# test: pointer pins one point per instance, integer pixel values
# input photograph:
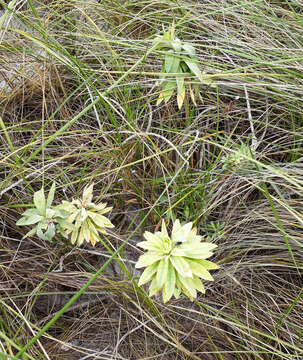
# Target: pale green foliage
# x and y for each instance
(86, 217)
(180, 61)
(48, 219)
(239, 157)
(82, 219)
(215, 230)
(175, 263)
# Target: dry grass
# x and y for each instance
(69, 117)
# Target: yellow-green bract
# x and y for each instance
(175, 263)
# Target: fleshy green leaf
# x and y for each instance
(65, 224)
(80, 237)
(50, 213)
(94, 238)
(168, 89)
(164, 232)
(181, 266)
(30, 233)
(170, 283)
(169, 60)
(40, 233)
(63, 214)
(161, 276)
(33, 219)
(150, 245)
(193, 249)
(208, 265)
(39, 201)
(88, 193)
(176, 226)
(51, 195)
(30, 212)
(84, 214)
(86, 232)
(199, 270)
(151, 237)
(74, 235)
(189, 285)
(100, 208)
(175, 65)
(147, 274)
(198, 284)
(154, 287)
(180, 84)
(50, 232)
(194, 68)
(100, 220)
(148, 259)
(180, 98)
(177, 292)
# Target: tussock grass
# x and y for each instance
(78, 85)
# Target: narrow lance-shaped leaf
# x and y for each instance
(192, 95)
(149, 245)
(30, 233)
(33, 219)
(148, 259)
(40, 232)
(161, 276)
(189, 285)
(199, 270)
(198, 284)
(51, 195)
(177, 290)
(39, 201)
(169, 61)
(194, 68)
(180, 83)
(100, 220)
(160, 98)
(163, 229)
(168, 89)
(74, 235)
(154, 287)
(80, 236)
(86, 232)
(180, 98)
(147, 274)
(181, 266)
(30, 212)
(88, 193)
(175, 68)
(208, 265)
(50, 232)
(170, 283)
(193, 248)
